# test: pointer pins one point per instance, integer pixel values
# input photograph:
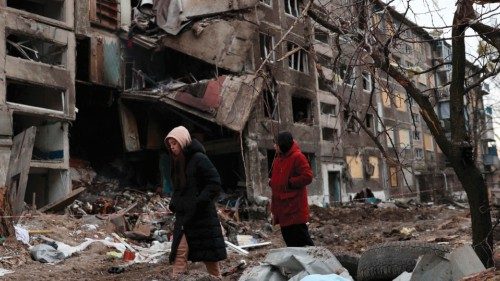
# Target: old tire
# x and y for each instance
(349, 261)
(387, 261)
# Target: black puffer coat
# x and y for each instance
(194, 208)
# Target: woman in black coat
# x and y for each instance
(197, 229)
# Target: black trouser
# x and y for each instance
(296, 235)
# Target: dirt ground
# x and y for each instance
(341, 229)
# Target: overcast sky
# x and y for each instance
(439, 13)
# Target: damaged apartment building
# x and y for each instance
(101, 82)
(144, 67)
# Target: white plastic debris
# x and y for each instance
(5, 271)
(22, 234)
(299, 262)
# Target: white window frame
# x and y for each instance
(368, 80)
(419, 153)
(265, 47)
(293, 8)
(300, 57)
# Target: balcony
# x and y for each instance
(491, 157)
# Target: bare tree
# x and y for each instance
(374, 50)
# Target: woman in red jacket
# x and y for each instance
(290, 175)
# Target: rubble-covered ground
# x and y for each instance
(342, 229)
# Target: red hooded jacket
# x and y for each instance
(290, 176)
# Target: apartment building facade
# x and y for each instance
(37, 99)
(104, 81)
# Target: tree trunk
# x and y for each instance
(477, 193)
(6, 225)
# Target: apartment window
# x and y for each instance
(46, 8)
(324, 61)
(419, 153)
(322, 84)
(298, 59)
(266, 2)
(266, 47)
(301, 108)
(369, 120)
(393, 176)
(417, 135)
(407, 49)
(270, 104)
(347, 74)
(292, 7)
(349, 124)
(328, 109)
(444, 109)
(329, 134)
(367, 81)
(321, 36)
(391, 139)
(416, 118)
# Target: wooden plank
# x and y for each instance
(19, 166)
(59, 204)
(130, 132)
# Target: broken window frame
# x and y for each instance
(271, 112)
(62, 18)
(265, 48)
(324, 106)
(61, 109)
(331, 132)
(323, 33)
(292, 8)
(32, 53)
(298, 59)
(308, 117)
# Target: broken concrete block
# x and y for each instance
(454, 266)
(463, 262)
(229, 41)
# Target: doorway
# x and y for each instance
(334, 187)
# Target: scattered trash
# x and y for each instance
(45, 253)
(114, 255)
(407, 231)
(240, 266)
(295, 264)
(128, 255)
(22, 234)
(89, 227)
(236, 248)
(5, 271)
(116, 270)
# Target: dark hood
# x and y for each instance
(194, 147)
